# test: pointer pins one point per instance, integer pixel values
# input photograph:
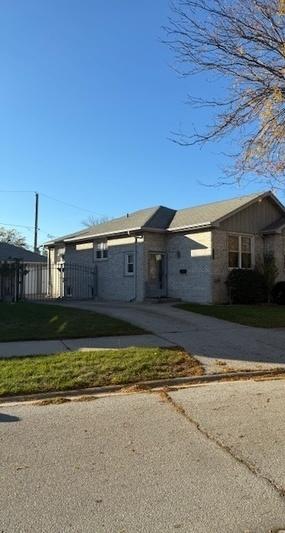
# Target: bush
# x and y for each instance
(269, 271)
(278, 293)
(246, 287)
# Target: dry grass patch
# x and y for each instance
(78, 370)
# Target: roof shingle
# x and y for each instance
(10, 252)
(165, 219)
(151, 218)
(207, 214)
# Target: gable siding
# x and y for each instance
(254, 218)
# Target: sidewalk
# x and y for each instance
(47, 347)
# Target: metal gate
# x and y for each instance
(40, 281)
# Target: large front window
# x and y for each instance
(240, 251)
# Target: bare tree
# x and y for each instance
(94, 221)
(12, 236)
(243, 42)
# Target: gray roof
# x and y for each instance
(276, 226)
(165, 219)
(207, 214)
(9, 252)
(152, 218)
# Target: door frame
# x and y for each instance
(157, 292)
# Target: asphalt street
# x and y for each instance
(204, 459)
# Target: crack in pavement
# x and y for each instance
(251, 467)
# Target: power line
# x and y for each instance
(17, 191)
(56, 200)
(30, 228)
(71, 205)
(16, 225)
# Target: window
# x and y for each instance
(233, 251)
(102, 250)
(60, 254)
(246, 252)
(240, 251)
(129, 264)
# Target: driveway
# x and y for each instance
(219, 345)
(207, 459)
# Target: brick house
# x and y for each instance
(187, 253)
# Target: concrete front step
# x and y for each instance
(162, 300)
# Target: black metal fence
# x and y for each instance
(40, 281)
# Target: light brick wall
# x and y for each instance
(191, 252)
(111, 281)
(276, 244)
(220, 262)
(79, 257)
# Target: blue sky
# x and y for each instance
(88, 100)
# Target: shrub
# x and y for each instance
(278, 293)
(269, 271)
(246, 287)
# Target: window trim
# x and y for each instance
(101, 246)
(126, 264)
(252, 250)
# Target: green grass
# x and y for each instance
(28, 321)
(259, 316)
(67, 371)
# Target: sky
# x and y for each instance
(88, 101)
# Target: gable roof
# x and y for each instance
(162, 218)
(9, 252)
(208, 214)
(151, 218)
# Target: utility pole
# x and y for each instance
(36, 221)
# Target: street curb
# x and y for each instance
(141, 385)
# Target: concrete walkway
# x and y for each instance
(19, 349)
(218, 344)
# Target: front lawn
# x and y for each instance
(28, 321)
(259, 316)
(67, 371)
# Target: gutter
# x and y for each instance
(152, 385)
(205, 225)
(105, 234)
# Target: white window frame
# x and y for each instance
(240, 236)
(127, 263)
(60, 255)
(101, 248)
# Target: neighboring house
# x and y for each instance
(186, 253)
(21, 272)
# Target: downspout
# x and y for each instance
(136, 270)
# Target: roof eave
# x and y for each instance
(205, 225)
(104, 234)
(274, 231)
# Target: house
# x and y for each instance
(22, 272)
(185, 253)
